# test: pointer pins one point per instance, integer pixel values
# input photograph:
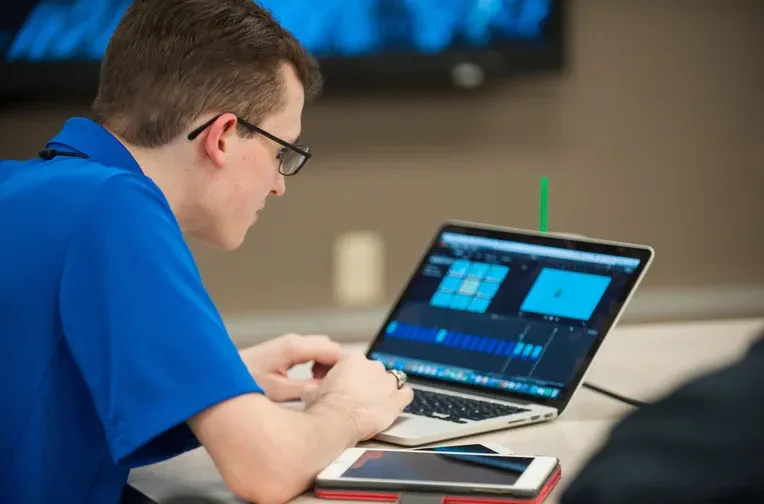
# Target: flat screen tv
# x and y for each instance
(54, 47)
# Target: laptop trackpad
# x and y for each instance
(416, 426)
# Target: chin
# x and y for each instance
(223, 241)
(230, 243)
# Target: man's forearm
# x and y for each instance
(268, 453)
(319, 435)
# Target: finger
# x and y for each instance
(405, 396)
(380, 366)
(286, 389)
(394, 378)
(309, 394)
(354, 355)
(318, 336)
(314, 348)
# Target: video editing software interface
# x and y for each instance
(504, 314)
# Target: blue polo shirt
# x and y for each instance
(109, 341)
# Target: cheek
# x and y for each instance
(254, 180)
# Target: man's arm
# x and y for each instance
(701, 443)
(267, 453)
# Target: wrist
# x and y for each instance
(334, 418)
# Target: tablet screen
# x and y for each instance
(438, 467)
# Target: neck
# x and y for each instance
(168, 169)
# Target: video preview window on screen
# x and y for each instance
(69, 30)
(504, 314)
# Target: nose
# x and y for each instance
(279, 186)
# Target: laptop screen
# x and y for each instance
(514, 312)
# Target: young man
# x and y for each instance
(112, 354)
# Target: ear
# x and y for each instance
(217, 142)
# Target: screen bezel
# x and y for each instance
(529, 483)
(568, 241)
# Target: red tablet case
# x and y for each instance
(373, 496)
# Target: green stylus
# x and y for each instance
(544, 205)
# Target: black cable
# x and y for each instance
(618, 397)
(48, 154)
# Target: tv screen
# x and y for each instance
(55, 46)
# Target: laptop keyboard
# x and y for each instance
(456, 409)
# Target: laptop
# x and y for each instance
(497, 327)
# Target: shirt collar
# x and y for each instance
(92, 139)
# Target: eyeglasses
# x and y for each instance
(291, 158)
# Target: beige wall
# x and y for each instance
(655, 134)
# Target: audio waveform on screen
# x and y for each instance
(58, 30)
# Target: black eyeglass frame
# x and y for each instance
(304, 151)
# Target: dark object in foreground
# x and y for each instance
(701, 443)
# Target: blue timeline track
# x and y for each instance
(470, 342)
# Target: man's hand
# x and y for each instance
(363, 391)
(270, 362)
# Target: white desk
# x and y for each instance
(638, 361)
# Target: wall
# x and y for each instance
(654, 134)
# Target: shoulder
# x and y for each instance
(123, 218)
(126, 228)
(115, 188)
(69, 183)
(128, 194)
(115, 201)
(51, 205)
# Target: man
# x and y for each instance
(701, 443)
(112, 354)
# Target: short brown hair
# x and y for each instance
(170, 61)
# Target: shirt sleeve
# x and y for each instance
(701, 443)
(140, 325)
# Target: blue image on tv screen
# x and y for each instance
(61, 30)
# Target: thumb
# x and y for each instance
(310, 394)
(283, 388)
